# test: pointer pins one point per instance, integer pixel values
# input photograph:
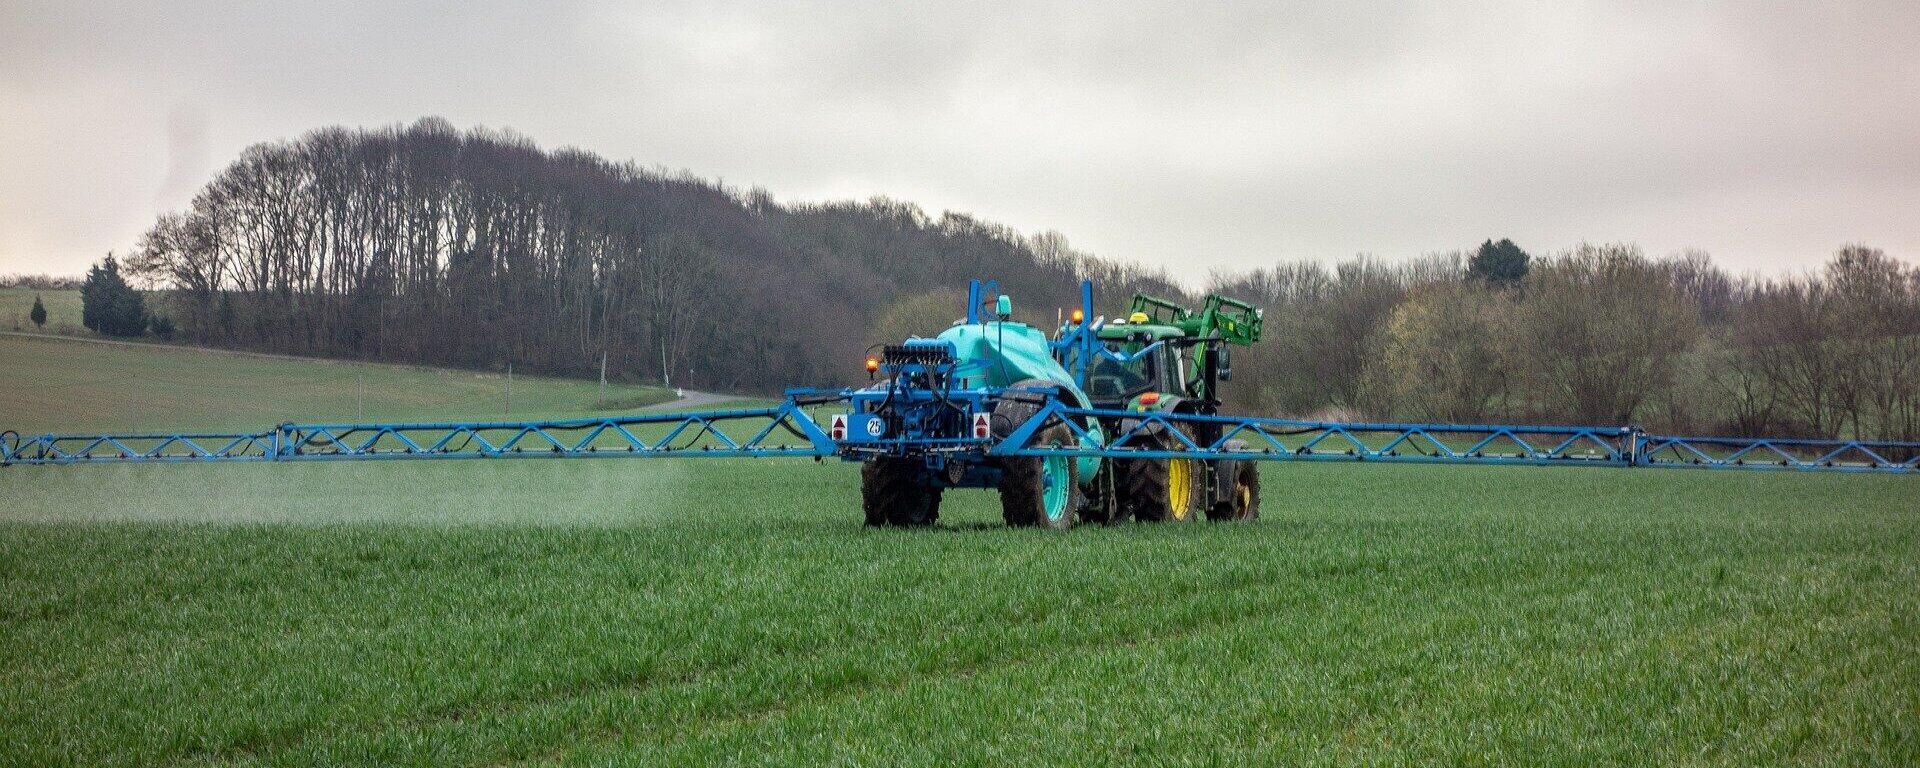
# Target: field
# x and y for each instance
(673, 612)
(63, 311)
(68, 385)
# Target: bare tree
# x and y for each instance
(1444, 354)
(1601, 328)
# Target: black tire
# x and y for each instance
(1024, 484)
(1243, 503)
(1009, 414)
(1146, 485)
(892, 492)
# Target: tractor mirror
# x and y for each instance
(1225, 365)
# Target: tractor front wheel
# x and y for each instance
(1160, 490)
(894, 492)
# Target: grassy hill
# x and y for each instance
(72, 385)
(687, 611)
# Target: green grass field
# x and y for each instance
(63, 311)
(676, 612)
(66, 385)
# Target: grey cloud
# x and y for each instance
(1207, 134)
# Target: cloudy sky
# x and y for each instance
(1180, 134)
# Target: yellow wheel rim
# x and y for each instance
(1180, 476)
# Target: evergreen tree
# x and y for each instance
(1501, 263)
(108, 305)
(39, 313)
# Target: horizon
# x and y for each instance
(1199, 139)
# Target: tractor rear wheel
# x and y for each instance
(1243, 500)
(1160, 490)
(1041, 490)
(893, 492)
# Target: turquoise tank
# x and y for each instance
(1012, 353)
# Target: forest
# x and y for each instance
(479, 249)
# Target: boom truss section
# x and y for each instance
(1278, 439)
(781, 430)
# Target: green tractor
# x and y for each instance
(1164, 357)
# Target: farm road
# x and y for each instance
(689, 400)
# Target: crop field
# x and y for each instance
(700, 611)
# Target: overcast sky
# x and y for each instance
(1177, 134)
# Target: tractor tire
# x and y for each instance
(1027, 483)
(1244, 502)
(1160, 490)
(892, 492)
(1041, 491)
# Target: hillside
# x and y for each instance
(478, 249)
(79, 385)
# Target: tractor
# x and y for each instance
(942, 413)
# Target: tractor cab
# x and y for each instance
(1161, 354)
(1141, 358)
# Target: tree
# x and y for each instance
(1877, 334)
(924, 315)
(1443, 354)
(1500, 264)
(226, 315)
(39, 313)
(108, 305)
(1783, 335)
(1600, 329)
(1360, 301)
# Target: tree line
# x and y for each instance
(478, 249)
(1598, 334)
(41, 282)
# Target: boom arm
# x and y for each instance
(789, 430)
